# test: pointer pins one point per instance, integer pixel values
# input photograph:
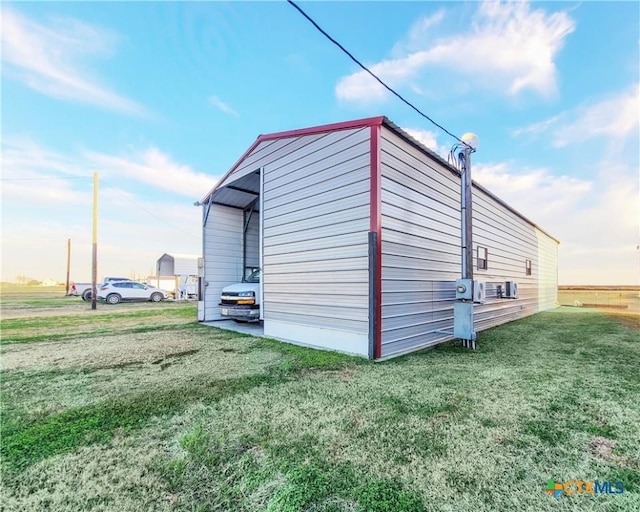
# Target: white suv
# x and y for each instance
(119, 291)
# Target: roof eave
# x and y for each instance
(345, 125)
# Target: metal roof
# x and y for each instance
(234, 197)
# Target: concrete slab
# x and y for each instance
(252, 328)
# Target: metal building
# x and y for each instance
(356, 227)
(177, 265)
(177, 274)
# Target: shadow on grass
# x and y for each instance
(25, 443)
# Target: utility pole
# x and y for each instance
(68, 264)
(94, 259)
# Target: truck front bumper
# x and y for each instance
(239, 312)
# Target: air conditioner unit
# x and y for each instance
(464, 289)
(479, 291)
(511, 290)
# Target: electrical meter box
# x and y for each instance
(464, 289)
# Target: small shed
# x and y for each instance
(177, 274)
(356, 227)
(177, 265)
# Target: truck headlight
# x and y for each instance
(246, 294)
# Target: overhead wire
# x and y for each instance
(366, 69)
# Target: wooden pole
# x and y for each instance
(94, 259)
(66, 292)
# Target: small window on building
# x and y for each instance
(483, 258)
(527, 267)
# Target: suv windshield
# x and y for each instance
(254, 277)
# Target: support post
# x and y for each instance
(467, 215)
(467, 240)
(94, 259)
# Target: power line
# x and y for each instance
(123, 194)
(365, 68)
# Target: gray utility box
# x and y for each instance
(463, 321)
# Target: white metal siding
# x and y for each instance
(268, 151)
(421, 251)
(315, 247)
(547, 272)
(183, 266)
(222, 238)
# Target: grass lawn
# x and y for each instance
(140, 408)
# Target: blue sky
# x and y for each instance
(162, 98)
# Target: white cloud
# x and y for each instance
(539, 127)
(536, 193)
(615, 117)
(40, 178)
(224, 107)
(415, 38)
(428, 139)
(47, 58)
(43, 204)
(597, 222)
(21, 155)
(423, 136)
(42, 193)
(156, 169)
(510, 48)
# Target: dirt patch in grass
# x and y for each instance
(631, 320)
(99, 352)
(602, 447)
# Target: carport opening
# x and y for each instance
(243, 256)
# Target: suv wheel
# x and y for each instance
(113, 298)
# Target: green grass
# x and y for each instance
(107, 320)
(223, 421)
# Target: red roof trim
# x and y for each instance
(345, 125)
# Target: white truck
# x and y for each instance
(241, 301)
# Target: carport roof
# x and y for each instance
(345, 125)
